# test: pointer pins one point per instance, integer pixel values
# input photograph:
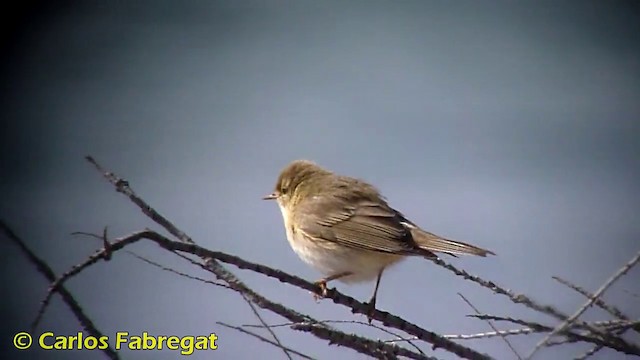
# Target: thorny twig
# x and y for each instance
(623, 270)
(611, 309)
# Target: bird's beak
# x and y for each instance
(271, 196)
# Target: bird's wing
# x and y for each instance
(362, 224)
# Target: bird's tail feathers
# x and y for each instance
(431, 242)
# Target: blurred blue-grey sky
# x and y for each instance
(510, 125)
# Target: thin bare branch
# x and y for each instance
(619, 330)
(48, 273)
(377, 349)
(368, 324)
(491, 325)
(87, 234)
(483, 335)
(611, 309)
(530, 303)
(589, 352)
(174, 271)
(623, 270)
(276, 344)
(269, 329)
(584, 335)
(363, 323)
(631, 293)
(490, 334)
(104, 253)
(515, 298)
(251, 305)
(607, 325)
(122, 186)
(534, 325)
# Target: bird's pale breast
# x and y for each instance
(330, 258)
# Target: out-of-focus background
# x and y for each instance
(513, 126)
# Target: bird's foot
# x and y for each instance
(370, 309)
(322, 284)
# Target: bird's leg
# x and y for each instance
(322, 284)
(372, 303)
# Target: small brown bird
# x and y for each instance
(344, 228)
